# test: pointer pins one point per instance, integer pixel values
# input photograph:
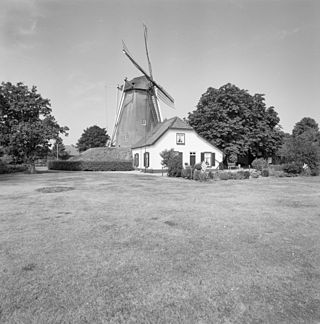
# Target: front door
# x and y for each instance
(192, 158)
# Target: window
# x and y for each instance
(180, 137)
(209, 158)
(136, 160)
(146, 159)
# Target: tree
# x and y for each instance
(172, 160)
(58, 150)
(305, 124)
(93, 136)
(303, 146)
(26, 123)
(237, 122)
(167, 156)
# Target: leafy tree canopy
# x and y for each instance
(26, 123)
(58, 150)
(303, 146)
(305, 124)
(93, 136)
(237, 122)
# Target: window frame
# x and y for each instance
(146, 158)
(181, 136)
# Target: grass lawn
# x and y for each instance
(94, 247)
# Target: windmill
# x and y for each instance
(139, 107)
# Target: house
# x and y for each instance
(174, 134)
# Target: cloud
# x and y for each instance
(283, 34)
(19, 22)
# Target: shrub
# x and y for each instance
(315, 171)
(167, 155)
(246, 174)
(265, 173)
(292, 168)
(225, 175)
(175, 166)
(90, 165)
(276, 167)
(221, 166)
(254, 174)
(240, 175)
(187, 173)
(279, 174)
(3, 167)
(17, 168)
(213, 175)
(196, 174)
(12, 168)
(197, 166)
(203, 176)
(259, 164)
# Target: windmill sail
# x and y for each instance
(170, 100)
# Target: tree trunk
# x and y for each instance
(32, 168)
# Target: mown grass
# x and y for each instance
(128, 248)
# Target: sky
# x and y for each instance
(72, 51)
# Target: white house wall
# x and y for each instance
(193, 143)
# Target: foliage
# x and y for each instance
(59, 146)
(303, 146)
(166, 156)
(90, 165)
(91, 137)
(255, 174)
(197, 166)
(26, 123)
(304, 125)
(214, 175)
(226, 175)
(233, 158)
(265, 172)
(175, 166)
(237, 122)
(243, 174)
(3, 167)
(196, 174)
(292, 168)
(221, 166)
(276, 167)
(259, 164)
(187, 172)
(172, 160)
(12, 168)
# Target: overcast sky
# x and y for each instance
(72, 51)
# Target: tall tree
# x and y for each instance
(58, 150)
(305, 124)
(303, 145)
(91, 137)
(237, 122)
(26, 123)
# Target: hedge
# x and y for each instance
(90, 165)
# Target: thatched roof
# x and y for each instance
(160, 129)
(105, 154)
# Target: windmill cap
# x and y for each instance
(138, 83)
